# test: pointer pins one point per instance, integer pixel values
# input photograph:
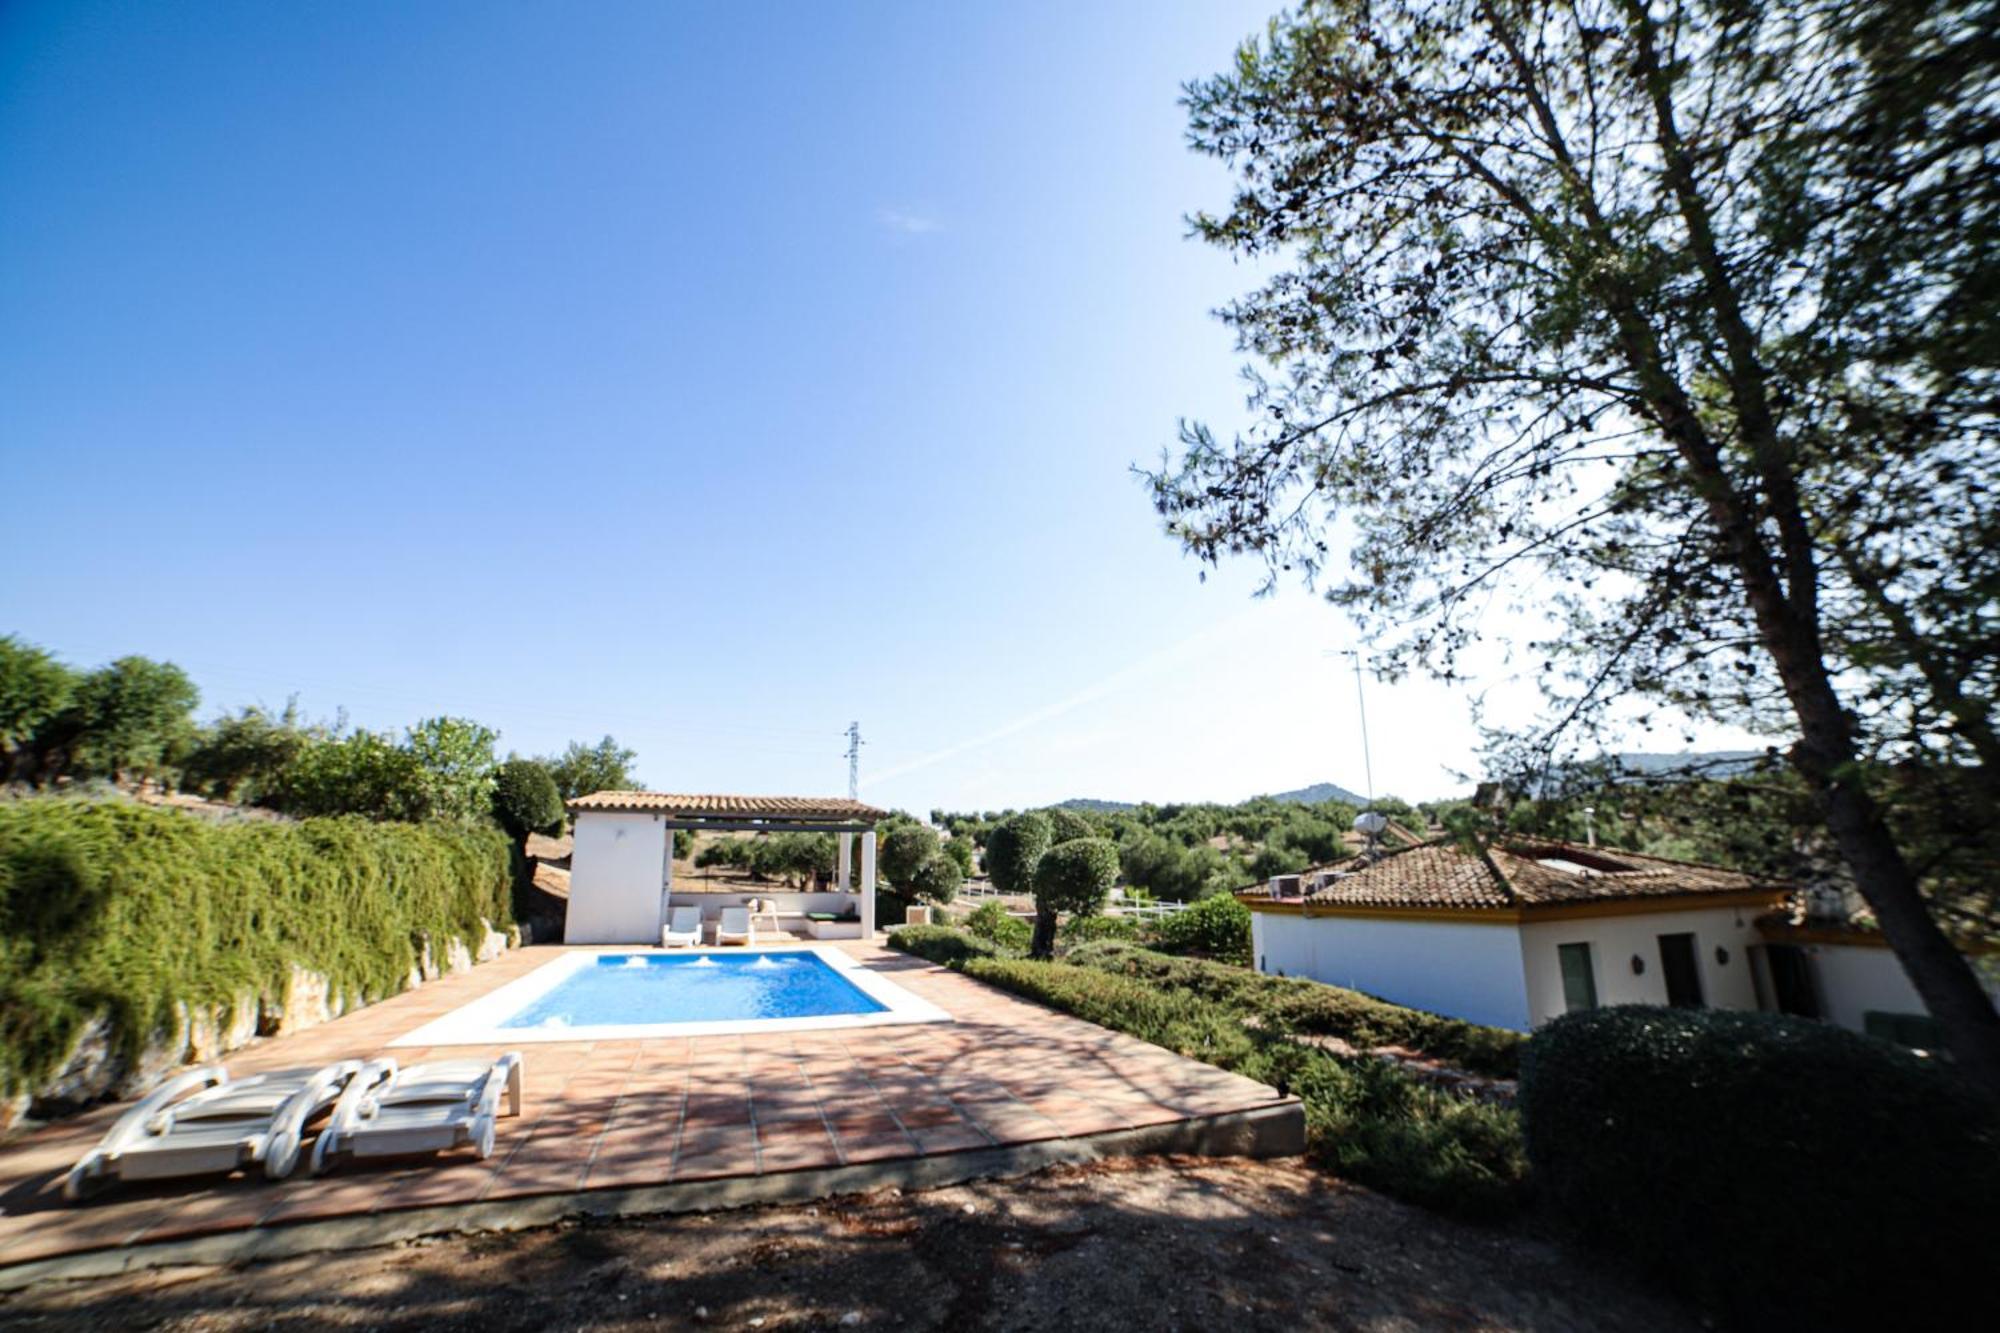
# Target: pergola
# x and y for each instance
(756, 814)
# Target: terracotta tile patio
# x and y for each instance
(622, 1114)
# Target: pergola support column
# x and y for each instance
(843, 874)
(868, 885)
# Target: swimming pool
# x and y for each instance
(587, 995)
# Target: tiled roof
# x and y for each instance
(813, 809)
(1519, 872)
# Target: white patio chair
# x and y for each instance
(683, 928)
(735, 925)
(391, 1112)
(202, 1122)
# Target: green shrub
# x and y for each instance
(1072, 877)
(1295, 1005)
(1217, 927)
(937, 880)
(110, 908)
(1013, 850)
(1088, 929)
(1364, 1118)
(1066, 825)
(525, 799)
(941, 944)
(1784, 1173)
(905, 852)
(993, 923)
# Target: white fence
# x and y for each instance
(982, 889)
(1150, 911)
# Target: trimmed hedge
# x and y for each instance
(941, 944)
(1784, 1173)
(1090, 929)
(1296, 1005)
(1365, 1118)
(994, 924)
(1216, 927)
(122, 910)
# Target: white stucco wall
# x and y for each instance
(618, 869)
(1853, 979)
(1614, 940)
(1466, 970)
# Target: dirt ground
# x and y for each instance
(1150, 1244)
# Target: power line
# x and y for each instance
(1367, 765)
(854, 744)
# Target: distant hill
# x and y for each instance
(1092, 806)
(1694, 763)
(1644, 766)
(1320, 792)
(1313, 795)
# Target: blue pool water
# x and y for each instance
(695, 988)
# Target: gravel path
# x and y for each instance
(1164, 1244)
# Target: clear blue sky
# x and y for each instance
(705, 375)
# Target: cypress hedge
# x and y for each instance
(941, 944)
(121, 910)
(1781, 1172)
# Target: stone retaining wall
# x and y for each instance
(95, 1070)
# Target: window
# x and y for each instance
(1579, 979)
(1682, 971)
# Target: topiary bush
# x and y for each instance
(1781, 1172)
(1073, 877)
(525, 800)
(906, 849)
(1013, 850)
(993, 923)
(937, 880)
(1066, 825)
(1216, 927)
(941, 944)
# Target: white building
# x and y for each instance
(1524, 930)
(621, 877)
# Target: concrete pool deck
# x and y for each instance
(664, 1124)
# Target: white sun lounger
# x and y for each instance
(389, 1112)
(735, 924)
(683, 928)
(202, 1122)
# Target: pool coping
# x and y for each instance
(1277, 1129)
(477, 1022)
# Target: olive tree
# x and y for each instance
(1074, 877)
(34, 688)
(582, 769)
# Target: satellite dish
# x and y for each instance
(1370, 823)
